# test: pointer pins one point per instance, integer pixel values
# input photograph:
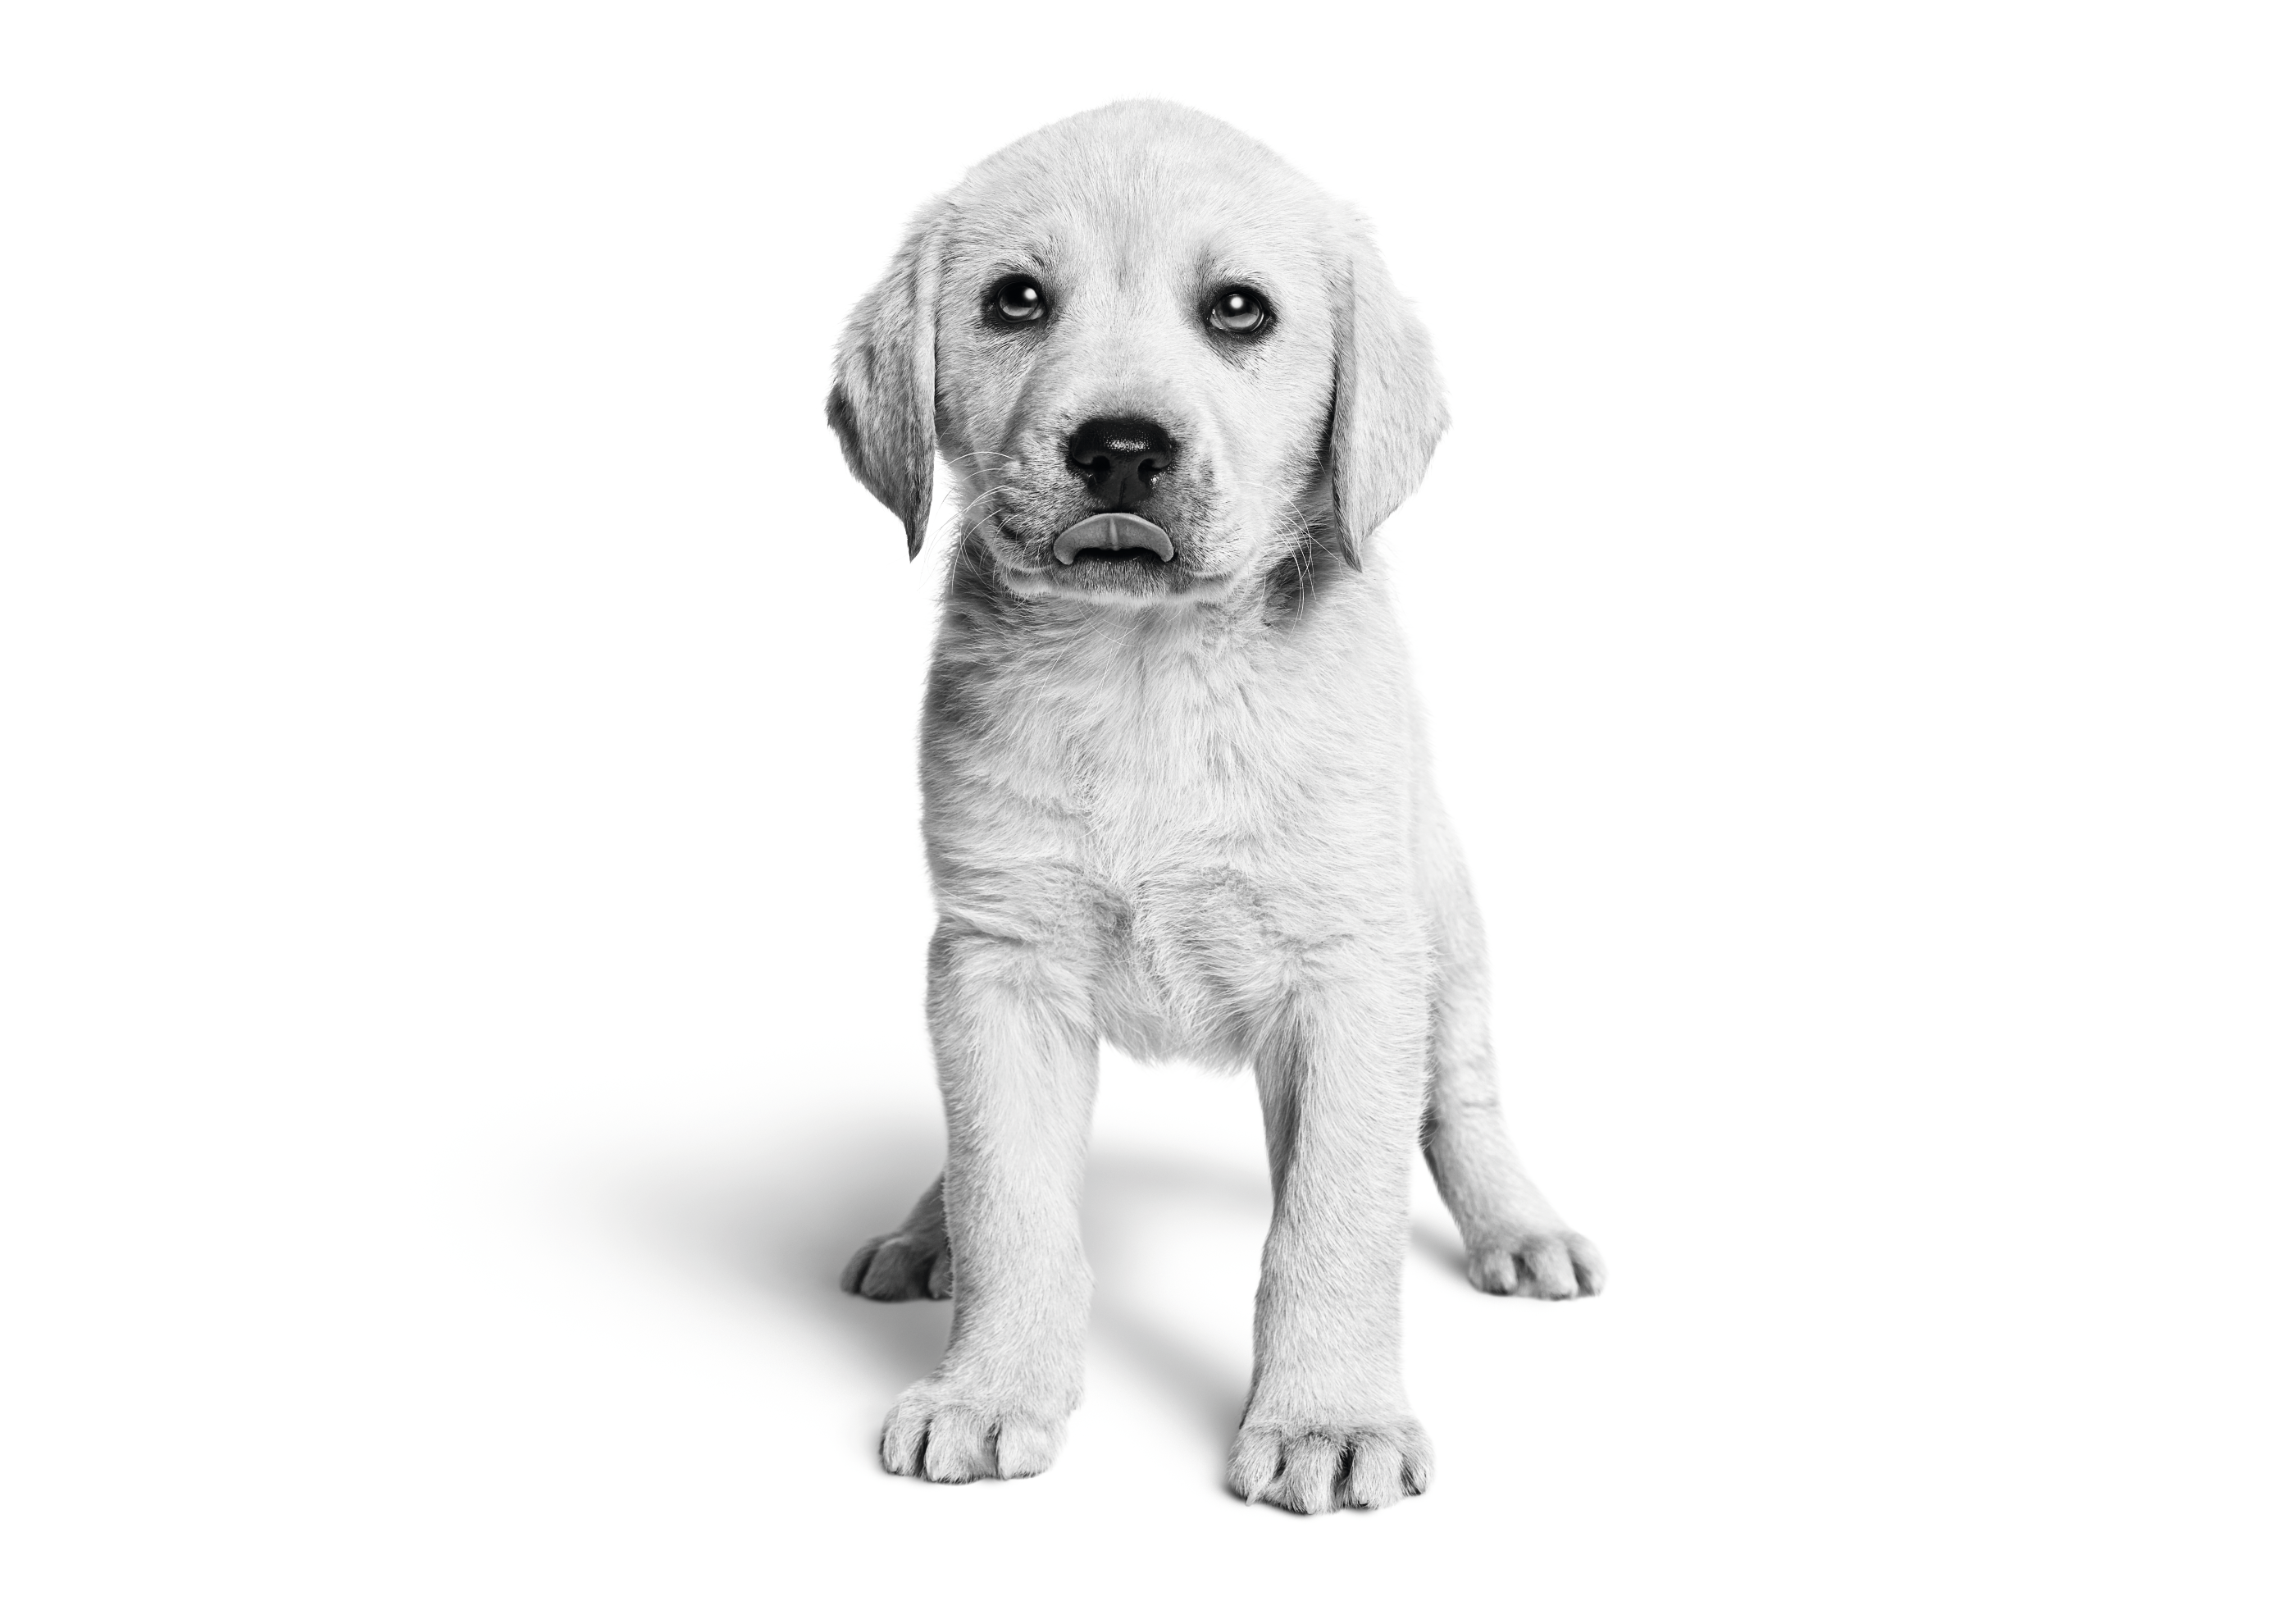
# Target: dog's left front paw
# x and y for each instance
(1310, 1466)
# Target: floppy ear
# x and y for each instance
(881, 405)
(1387, 402)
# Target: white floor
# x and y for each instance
(462, 918)
(465, 1351)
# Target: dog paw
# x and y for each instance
(1527, 1262)
(941, 1431)
(895, 1267)
(1316, 1466)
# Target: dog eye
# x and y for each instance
(1017, 302)
(1239, 311)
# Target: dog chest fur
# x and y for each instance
(1192, 808)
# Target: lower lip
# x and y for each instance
(1146, 559)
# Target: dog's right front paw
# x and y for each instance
(942, 1430)
(895, 1267)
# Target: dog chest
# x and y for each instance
(1194, 824)
(1158, 750)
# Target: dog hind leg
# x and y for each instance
(1517, 1244)
(911, 1261)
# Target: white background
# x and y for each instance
(461, 917)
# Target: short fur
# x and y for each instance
(1185, 809)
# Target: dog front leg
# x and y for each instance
(1017, 1064)
(1327, 1423)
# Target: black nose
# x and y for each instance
(1118, 458)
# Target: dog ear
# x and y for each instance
(1387, 401)
(881, 404)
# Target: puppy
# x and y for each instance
(1175, 792)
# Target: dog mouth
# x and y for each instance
(1112, 537)
(1111, 557)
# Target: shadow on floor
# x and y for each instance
(1130, 1199)
(782, 1218)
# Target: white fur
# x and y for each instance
(1191, 817)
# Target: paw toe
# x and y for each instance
(959, 1446)
(1490, 1269)
(1375, 1473)
(1587, 1264)
(1026, 1446)
(1547, 1269)
(1310, 1464)
(1254, 1461)
(902, 1446)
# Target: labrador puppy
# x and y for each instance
(1176, 790)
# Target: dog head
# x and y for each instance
(1158, 360)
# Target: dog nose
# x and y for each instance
(1118, 458)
